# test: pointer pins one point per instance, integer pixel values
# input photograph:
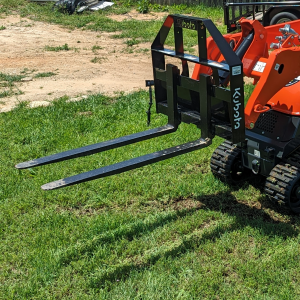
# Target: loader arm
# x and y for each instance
(282, 66)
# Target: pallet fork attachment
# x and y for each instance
(214, 109)
(128, 164)
(118, 167)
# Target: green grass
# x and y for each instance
(10, 79)
(44, 74)
(131, 42)
(64, 47)
(8, 86)
(97, 59)
(164, 231)
(143, 6)
(96, 47)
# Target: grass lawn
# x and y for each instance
(164, 231)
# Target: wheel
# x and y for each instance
(283, 186)
(283, 17)
(226, 164)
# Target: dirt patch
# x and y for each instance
(94, 63)
(138, 16)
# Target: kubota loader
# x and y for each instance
(262, 138)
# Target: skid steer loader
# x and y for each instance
(261, 138)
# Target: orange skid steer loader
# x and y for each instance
(261, 138)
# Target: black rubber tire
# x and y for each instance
(283, 186)
(226, 164)
(284, 17)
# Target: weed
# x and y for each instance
(143, 6)
(2, 27)
(5, 94)
(143, 50)
(25, 71)
(43, 75)
(10, 92)
(158, 7)
(132, 42)
(128, 50)
(97, 59)
(64, 47)
(8, 81)
(10, 78)
(96, 47)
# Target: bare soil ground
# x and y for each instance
(95, 63)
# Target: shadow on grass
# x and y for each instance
(128, 231)
(258, 182)
(225, 203)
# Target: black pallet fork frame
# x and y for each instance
(214, 109)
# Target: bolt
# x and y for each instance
(261, 36)
(278, 138)
(251, 125)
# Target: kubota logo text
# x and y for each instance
(186, 24)
(236, 115)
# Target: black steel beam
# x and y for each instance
(127, 165)
(99, 147)
(205, 106)
(193, 58)
(171, 80)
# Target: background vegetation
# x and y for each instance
(98, 21)
(165, 231)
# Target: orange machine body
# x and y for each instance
(274, 71)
